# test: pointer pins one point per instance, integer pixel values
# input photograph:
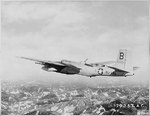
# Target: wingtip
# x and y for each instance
(20, 57)
(17, 56)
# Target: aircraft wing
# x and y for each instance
(60, 67)
(43, 62)
(110, 65)
(103, 63)
(119, 69)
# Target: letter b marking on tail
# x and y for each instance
(121, 55)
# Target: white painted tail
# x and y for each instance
(124, 60)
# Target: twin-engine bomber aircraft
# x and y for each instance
(121, 67)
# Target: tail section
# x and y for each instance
(124, 60)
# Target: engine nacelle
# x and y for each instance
(129, 74)
(49, 69)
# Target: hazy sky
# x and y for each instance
(73, 31)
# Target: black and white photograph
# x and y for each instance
(68, 57)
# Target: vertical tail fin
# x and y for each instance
(124, 60)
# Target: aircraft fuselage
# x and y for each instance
(91, 71)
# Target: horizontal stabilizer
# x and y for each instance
(135, 68)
